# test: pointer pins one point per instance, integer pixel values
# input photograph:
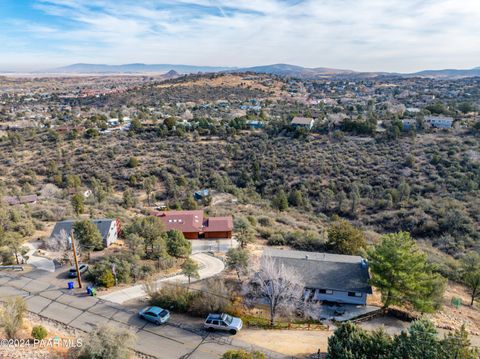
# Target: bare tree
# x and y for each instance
(279, 286)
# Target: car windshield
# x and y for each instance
(228, 319)
(163, 313)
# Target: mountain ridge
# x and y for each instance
(274, 69)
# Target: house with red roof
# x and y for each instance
(194, 225)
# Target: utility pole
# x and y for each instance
(76, 260)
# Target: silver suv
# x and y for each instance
(223, 322)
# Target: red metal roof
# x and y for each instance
(193, 221)
(218, 224)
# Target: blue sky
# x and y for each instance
(366, 35)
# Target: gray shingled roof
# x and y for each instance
(325, 270)
(103, 226)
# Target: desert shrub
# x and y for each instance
(214, 299)
(106, 280)
(125, 266)
(39, 332)
(276, 239)
(11, 315)
(173, 297)
(105, 342)
(265, 221)
(242, 354)
(306, 241)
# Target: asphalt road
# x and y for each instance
(174, 340)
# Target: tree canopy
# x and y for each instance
(402, 274)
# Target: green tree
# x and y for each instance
(280, 201)
(92, 133)
(136, 244)
(457, 345)
(244, 232)
(296, 198)
(177, 245)
(129, 199)
(344, 238)
(402, 274)
(419, 341)
(149, 185)
(151, 229)
(88, 235)
(237, 260)
(351, 342)
(190, 269)
(470, 273)
(13, 242)
(78, 204)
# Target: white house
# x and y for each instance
(305, 122)
(328, 277)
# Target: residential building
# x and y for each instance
(305, 122)
(409, 124)
(328, 277)
(439, 121)
(193, 225)
(108, 228)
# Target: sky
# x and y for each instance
(362, 35)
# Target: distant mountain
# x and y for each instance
(448, 73)
(294, 71)
(275, 69)
(135, 68)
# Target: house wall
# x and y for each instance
(340, 297)
(218, 235)
(191, 235)
(112, 235)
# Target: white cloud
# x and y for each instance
(390, 35)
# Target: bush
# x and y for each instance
(173, 297)
(242, 354)
(107, 279)
(11, 316)
(105, 342)
(179, 299)
(39, 332)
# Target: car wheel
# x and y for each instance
(209, 329)
(233, 331)
(158, 322)
(141, 316)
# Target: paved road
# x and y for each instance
(174, 340)
(209, 267)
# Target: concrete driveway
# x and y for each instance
(209, 267)
(38, 262)
(176, 339)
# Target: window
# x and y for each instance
(215, 322)
(209, 321)
(354, 294)
(325, 291)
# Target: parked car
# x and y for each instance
(155, 315)
(82, 268)
(223, 322)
